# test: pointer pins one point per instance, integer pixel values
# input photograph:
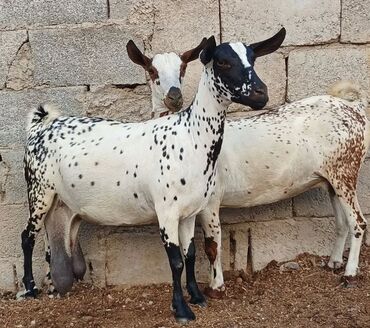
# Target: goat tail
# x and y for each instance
(349, 91)
(41, 116)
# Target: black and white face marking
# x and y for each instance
(233, 69)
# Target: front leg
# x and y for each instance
(210, 221)
(169, 229)
(186, 230)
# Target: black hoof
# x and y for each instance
(196, 296)
(349, 281)
(199, 300)
(28, 294)
(183, 314)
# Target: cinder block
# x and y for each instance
(10, 42)
(87, 55)
(14, 106)
(13, 221)
(283, 240)
(17, 14)
(313, 203)
(312, 71)
(11, 272)
(307, 22)
(125, 104)
(355, 21)
(139, 15)
(137, 256)
(241, 237)
(181, 25)
(94, 247)
(282, 209)
(13, 186)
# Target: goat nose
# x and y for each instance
(260, 90)
(174, 94)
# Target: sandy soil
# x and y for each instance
(311, 296)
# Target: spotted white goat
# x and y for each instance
(166, 72)
(97, 167)
(301, 146)
(318, 141)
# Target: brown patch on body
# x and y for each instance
(210, 247)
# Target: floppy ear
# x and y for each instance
(137, 56)
(193, 54)
(270, 45)
(208, 51)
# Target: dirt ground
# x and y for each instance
(311, 296)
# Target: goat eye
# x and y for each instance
(223, 64)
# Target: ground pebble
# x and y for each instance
(289, 266)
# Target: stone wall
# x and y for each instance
(73, 54)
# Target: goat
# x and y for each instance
(166, 72)
(97, 168)
(318, 141)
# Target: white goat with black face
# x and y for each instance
(285, 152)
(97, 167)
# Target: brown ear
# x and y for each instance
(193, 54)
(137, 56)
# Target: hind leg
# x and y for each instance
(39, 208)
(47, 281)
(336, 257)
(356, 223)
(210, 221)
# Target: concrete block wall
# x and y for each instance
(73, 54)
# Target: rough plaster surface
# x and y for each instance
(124, 104)
(307, 22)
(20, 74)
(10, 42)
(75, 46)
